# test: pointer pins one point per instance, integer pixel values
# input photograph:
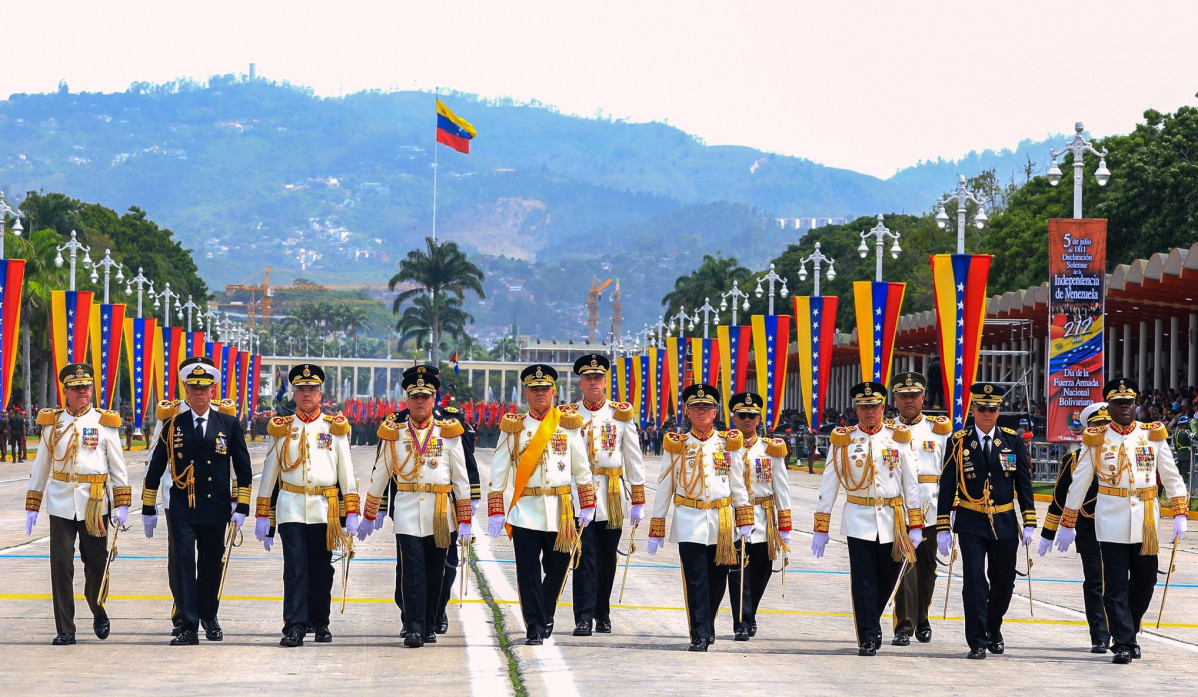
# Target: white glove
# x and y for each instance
(587, 515)
(238, 519)
(268, 542)
(463, 531)
(365, 530)
(1180, 527)
(638, 513)
(952, 519)
(944, 542)
(119, 515)
(352, 522)
(916, 536)
(818, 541)
(495, 525)
(1029, 534)
(378, 522)
(1045, 546)
(30, 521)
(474, 506)
(148, 522)
(261, 527)
(1065, 537)
(744, 532)
(655, 543)
(233, 506)
(785, 535)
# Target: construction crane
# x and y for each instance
(261, 300)
(615, 313)
(593, 307)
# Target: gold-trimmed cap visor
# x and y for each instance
(908, 383)
(76, 375)
(538, 375)
(985, 394)
(868, 393)
(700, 394)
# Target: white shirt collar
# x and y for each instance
(196, 415)
(981, 435)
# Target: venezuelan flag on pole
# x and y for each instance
(243, 373)
(959, 282)
(877, 305)
(228, 372)
(12, 280)
(255, 371)
(771, 342)
(676, 350)
(705, 361)
(661, 380)
(453, 130)
(169, 353)
(139, 337)
(70, 315)
(623, 379)
(108, 323)
(734, 345)
(815, 327)
(195, 344)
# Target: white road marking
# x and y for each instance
(486, 663)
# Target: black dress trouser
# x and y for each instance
(987, 582)
(873, 573)
(596, 572)
(1091, 556)
(198, 552)
(757, 577)
(538, 594)
(703, 584)
(307, 576)
(423, 569)
(1128, 580)
(93, 551)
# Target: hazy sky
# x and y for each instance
(872, 86)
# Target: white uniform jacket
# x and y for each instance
(309, 461)
(614, 451)
(769, 489)
(878, 475)
(704, 480)
(926, 449)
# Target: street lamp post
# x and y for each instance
(74, 246)
(772, 276)
(1079, 146)
(7, 210)
(660, 329)
(167, 294)
(108, 263)
(191, 307)
(210, 315)
(817, 258)
(710, 316)
(736, 294)
(881, 233)
(683, 320)
(962, 196)
(140, 281)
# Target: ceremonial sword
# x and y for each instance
(628, 558)
(1168, 577)
(346, 558)
(949, 583)
(464, 584)
(102, 596)
(232, 539)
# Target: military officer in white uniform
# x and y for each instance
(306, 489)
(425, 458)
(618, 472)
(540, 457)
(769, 490)
(704, 480)
(79, 473)
(1127, 457)
(926, 449)
(882, 517)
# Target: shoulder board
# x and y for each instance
(672, 443)
(279, 426)
(46, 417)
(623, 411)
(512, 423)
(1007, 430)
(338, 424)
(1156, 430)
(840, 436)
(902, 434)
(389, 428)
(571, 419)
(451, 428)
(942, 426)
(888, 422)
(567, 407)
(393, 417)
(227, 406)
(110, 418)
(775, 447)
(733, 440)
(962, 433)
(1093, 437)
(167, 408)
(451, 410)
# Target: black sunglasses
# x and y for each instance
(986, 409)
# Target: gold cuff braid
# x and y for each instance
(784, 521)
(1052, 521)
(822, 521)
(586, 496)
(1069, 518)
(1179, 505)
(122, 495)
(638, 494)
(657, 527)
(495, 503)
(744, 515)
(262, 507)
(372, 507)
(464, 511)
(352, 504)
(914, 518)
(33, 500)
(149, 497)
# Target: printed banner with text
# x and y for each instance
(1076, 304)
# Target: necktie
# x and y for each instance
(200, 429)
(986, 449)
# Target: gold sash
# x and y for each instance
(524, 469)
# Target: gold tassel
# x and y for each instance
(772, 537)
(615, 503)
(93, 515)
(1150, 545)
(725, 551)
(440, 523)
(565, 525)
(333, 540)
(903, 549)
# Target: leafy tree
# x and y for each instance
(440, 275)
(713, 277)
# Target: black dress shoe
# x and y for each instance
(403, 633)
(187, 637)
(64, 639)
(212, 630)
(1099, 648)
(548, 629)
(901, 639)
(698, 645)
(868, 649)
(582, 628)
(413, 640)
(1122, 656)
(603, 626)
(741, 634)
(293, 638)
(753, 628)
(996, 647)
(923, 634)
(977, 654)
(442, 625)
(175, 630)
(102, 626)
(430, 637)
(533, 641)
(1135, 650)
(323, 635)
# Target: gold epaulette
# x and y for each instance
(1008, 430)
(570, 419)
(733, 440)
(888, 422)
(512, 423)
(279, 426)
(942, 425)
(775, 447)
(840, 436)
(623, 411)
(451, 428)
(1156, 430)
(672, 443)
(110, 418)
(389, 428)
(1093, 436)
(167, 408)
(567, 407)
(227, 406)
(902, 434)
(962, 433)
(338, 424)
(47, 417)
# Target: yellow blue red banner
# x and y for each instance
(815, 332)
(107, 329)
(734, 344)
(12, 280)
(878, 305)
(959, 283)
(70, 317)
(771, 343)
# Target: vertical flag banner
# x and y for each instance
(676, 350)
(771, 342)
(734, 362)
(620, 369)
(243, 374)
(107, 328)
(195, 344)
(228, 372)
(255, 372)
(609, 388)
(70, 315)
(12, 280)
(705, 361)
(453, 130)
(815, 329)
(139, 338)
(1076, 307)
(661, 387)
(878, 305)
(172, 354)
(959, 284)
(644, 389)
(215, 351)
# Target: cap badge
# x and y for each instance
(909, 380)
(594, 362)
(868, 391)
(539, 373)
(420, 369)
(987, 389)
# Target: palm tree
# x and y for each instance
(430, 315)
(713, 277)
(440, 269)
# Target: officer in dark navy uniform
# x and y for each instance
(985, 469)
(209, 464)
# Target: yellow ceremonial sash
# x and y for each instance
(532, 455)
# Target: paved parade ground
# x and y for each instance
(805, 644)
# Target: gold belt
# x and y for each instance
(929, 479)
(93, 515)
(546, 491)
(608, 471)
(987, 508)
(440, 508)
(429, 488)
(1142, 494)
(680, 500)
(309, 490)
(871, 501)
(766, 502)
(81, 478)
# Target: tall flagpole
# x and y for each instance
(435, 97)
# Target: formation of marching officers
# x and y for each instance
(564, 482)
